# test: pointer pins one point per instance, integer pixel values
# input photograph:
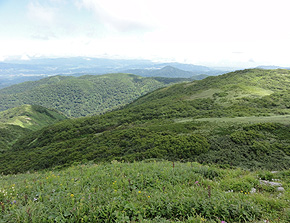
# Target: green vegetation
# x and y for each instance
(143, 192)
(175, 123)
(189, 152)
(31, 117)
(82, 96)
(18, 122)
(9, 134)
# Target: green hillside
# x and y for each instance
(81, 96)
(19, 121)
(31, 117)
(197, 121)
(9, 134)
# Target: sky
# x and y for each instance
(219, 33)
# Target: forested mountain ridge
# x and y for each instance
(84, 95)
(167, 71)
(19, 121)
(240, 119)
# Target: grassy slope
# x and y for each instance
(144, 192)
(150, 127)
(81, 96)
(31, 117)
(18, 122)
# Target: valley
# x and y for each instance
(84, 95)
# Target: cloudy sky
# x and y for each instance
(237, 33)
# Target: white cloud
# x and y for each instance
(121, 16)
(58, 1)
(41, 14)
(206, 32)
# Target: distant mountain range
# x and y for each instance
(79, 65)
(17, 71)
(167, 71)
(273, 67)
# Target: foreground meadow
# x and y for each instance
(144, 192)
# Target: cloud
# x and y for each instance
(251, 60)
(40, 13)
(237, 52)
(44, 33)
(50, 19)
(58, 1)
(121, 16)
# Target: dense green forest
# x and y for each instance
(84, 95)
(237, 119)
(18, 122)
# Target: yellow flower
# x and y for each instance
(72, 195)
(148, 196)
(139, 192)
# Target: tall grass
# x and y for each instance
(142, 192)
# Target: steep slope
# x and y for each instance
(188, 121)
(81, 96)
(18, 122)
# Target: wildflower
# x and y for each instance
(72, 195)
(34, 199)
(196, 182)
(139, 192)
(148, 196)
(223, 222)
